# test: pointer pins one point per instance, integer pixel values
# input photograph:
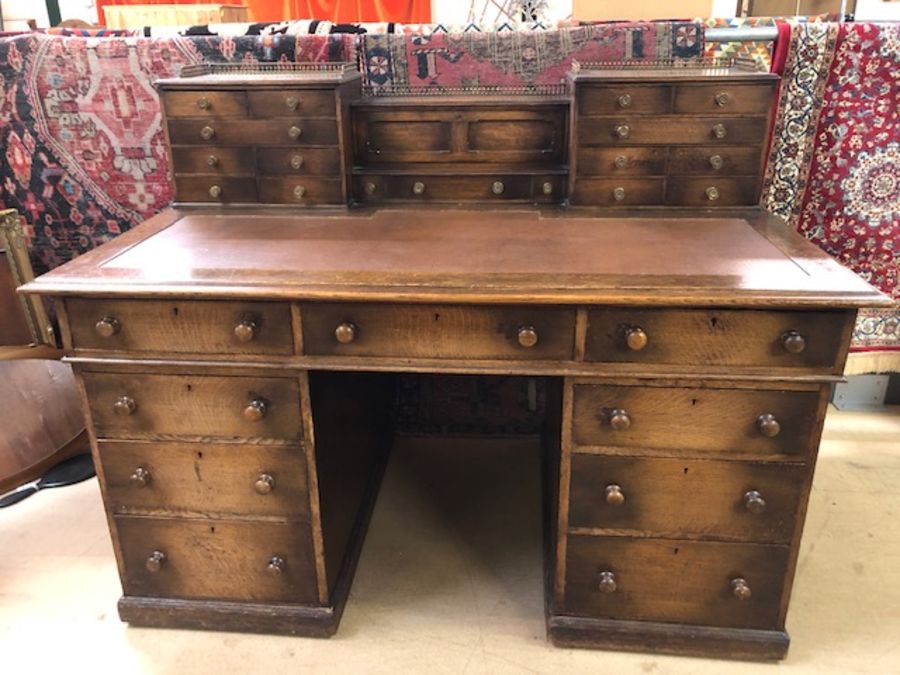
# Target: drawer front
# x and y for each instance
(205, 104)
(425, 188)
(300, 190)
(217, 560)
(294, 162)
(712, 191)
(205, 479)
(217, 161)
(292, 102)
(715, 161)
(176, 326)
(623, 131)
(715, 337)
(674, 581)
(296, 132)
(726, 98)
(222, 189)
(686, 420)
(738, 501)
(409, 139)
(128, 405)
(436, 331)
(536, 137)
(624, 98)
(622, 161)
(619, 191)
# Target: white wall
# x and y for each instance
(17, 12)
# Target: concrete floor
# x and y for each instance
(451, 586)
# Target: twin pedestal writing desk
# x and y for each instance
(236, 360)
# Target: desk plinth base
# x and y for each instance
(668, 638)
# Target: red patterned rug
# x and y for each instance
(834, 167)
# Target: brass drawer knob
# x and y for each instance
(712, 193)
(299, 192)
(345, 333)
(140, 478)
(793, 342)
(124, 405)
(613, 495)
(547, 188)
(204, 103)
(207, 133)
(155, 561)
(624, 100)
(246, 330)
(721, 98)
(255, 410)
(607, 583)
(619, 420)
(754, 502)
(497, 187)
(636, 338)
(276, 566)
(292, 102)
(370, 188)
(264, 484)
(294, 132)
(716, 162)
(296, 162)
(620, 162)
(740, 589)
(619, 194)
(719, 131)
(527, 336)
(215, 191)
(418, 188)
(768, 425)
(623, 131)
(212, 161)
(107, 326)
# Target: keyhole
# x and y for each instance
(174, 311)
(685, 471)
(200, 456)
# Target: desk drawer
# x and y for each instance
(217, 161)
(726, 98)
(438, 331)
(205, 479)
(300, 190)
(195, 407)
(715, 161)
(688, 421)
(299, 162)
(650, 161)
(716, 337)
(623, 131)
(217, 559)
(181, 326)
(297, 132)
(619, 191)
(205, 104)
(427, 188)
(616, 99)
(292, 102)
(737, 501)
(712, 191)
(213, 188)
(675, 581)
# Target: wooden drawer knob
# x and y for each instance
(246, 330)
(613, 495)
(547, 188)
(607, 583)
(215, 191)
(624, 100)
(155, 561)
(721, 98)
(497, 187)
(204, 103)
(255, 410)
(292, 103)
(276, 566)
(719, 131)
(296, 161)
(793, 342)
(345, 333)
(527, 336)
(140, 478)
(754, 502)
(294, 132)
(418, 188)
(619, 420)
(207, 133)
(124, 405)
(712, 193)
(264, 484)
(620, 162)
(619, 194)
(768, 425)
(107, 326)
(212, 161)
(740, 589)
(299, 192)
(623, 131)
(716, 162)
(636, 338)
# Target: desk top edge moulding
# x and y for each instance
(605, 234)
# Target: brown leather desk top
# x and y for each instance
(742, 258)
